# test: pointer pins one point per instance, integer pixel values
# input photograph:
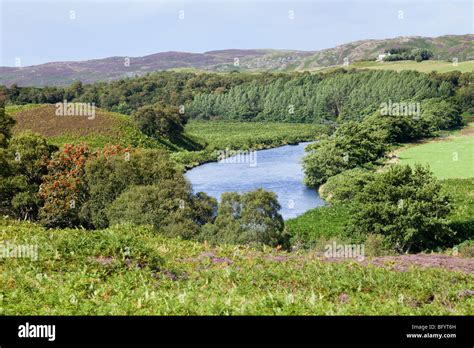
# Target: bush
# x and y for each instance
(376, 245)
(114, 169)
(156, 205)
(466, 248)
(343, 187)
(353, 144)
(159, 120)
(64, 190)
(406, 207)
(6, 124)
(439, 114)
(24, 164)
(247, 218)
(399, 128)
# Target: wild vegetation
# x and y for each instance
(118, 208)
(130, 270)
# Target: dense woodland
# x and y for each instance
(296, 97)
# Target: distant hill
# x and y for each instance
(107, 69)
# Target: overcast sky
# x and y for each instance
(42, 31)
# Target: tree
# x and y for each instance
(169, 209)
(6, 124)
(343, 187)
(438, 114)
(247, 218)
(26, 163)
(159, 120)
(353, 144)
(64, 190)
(114, 169)
(145, 204)
(406, 206)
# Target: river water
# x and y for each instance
(278, 170)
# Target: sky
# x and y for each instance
(36, 32)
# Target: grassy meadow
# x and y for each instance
(451, 156)
(425, 66)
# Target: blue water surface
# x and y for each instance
(278, 170)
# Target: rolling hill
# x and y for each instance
(112, 68)
(104, 128)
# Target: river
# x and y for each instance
(278, 170)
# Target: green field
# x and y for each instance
(221, 135)
(244, 135)
(134, 271)
(425, 66)
(449, 158)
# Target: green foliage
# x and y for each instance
(6, 124)
(466, 248)
(405, 53)
(159, 120)
(461, 218)
(129, 270)
(353, 144)
(326, 222)
(439, 114)
(156, 205)
(376, 245)
(114, 169)
(64, 189)
(247, 218)
(23, 165)
(465, 95)
(431, 116)
(404, 205)
(336, 96)
(343, 187)
(128, 95)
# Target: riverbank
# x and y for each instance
(219, 136)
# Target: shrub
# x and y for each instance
(353, 144)
(344, 186)
(114, 169)
(399, 128)
(406, 207)
(159, 120)
(439, 114)
(25, 163)
(466, 248)
(63, 189)
(376, 245)
(247, 218)
(169, 209)
(6, 123)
